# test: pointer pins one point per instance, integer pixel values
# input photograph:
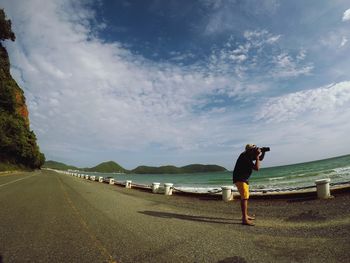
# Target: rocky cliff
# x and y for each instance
(18, 146)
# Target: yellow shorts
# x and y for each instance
(243, 189)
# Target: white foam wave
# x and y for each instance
(342, 170)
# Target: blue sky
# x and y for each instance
(178, 82)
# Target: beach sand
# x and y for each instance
(137, 226)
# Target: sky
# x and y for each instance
(177, 82)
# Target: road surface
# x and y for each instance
(51, 217)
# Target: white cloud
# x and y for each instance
(83, 91)
(315, 103)
(230, 15)
(259, 54)
(343, 41)
(346, 15)
(307, 125)
(287, 66)
(90, 101)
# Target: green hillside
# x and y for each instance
(201, 168)
(59, 166)
(113, 167)
(156, 170)
(107, 167)
(169, 169)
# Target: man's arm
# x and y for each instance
(256, 166)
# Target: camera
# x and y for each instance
(254, 151)
(264, 149)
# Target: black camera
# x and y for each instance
(265, 149)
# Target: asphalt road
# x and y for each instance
(50, 217)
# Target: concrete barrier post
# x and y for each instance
(100, 179)
(226, 193)
(111, 181)
(87, 177)
(128, 184)
(155, 187)
(168, 189)
(322, 186)
(92, 178)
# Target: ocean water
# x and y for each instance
(296, 175)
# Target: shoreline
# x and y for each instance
(306, 192)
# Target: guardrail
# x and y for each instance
(322, 187)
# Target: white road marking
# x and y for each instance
(17, 180)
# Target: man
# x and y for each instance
(248, 161)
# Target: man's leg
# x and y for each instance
(246, 220)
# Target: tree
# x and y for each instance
(18, 144)
(5, 27)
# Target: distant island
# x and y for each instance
(170, 169)
(113, 167)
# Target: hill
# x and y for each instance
(200, 168)
(59, 166)
(113, 167)
(18, 144)
(169, 169)
(107, 167)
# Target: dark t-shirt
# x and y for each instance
(243, 168)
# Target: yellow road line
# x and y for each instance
(104, 252)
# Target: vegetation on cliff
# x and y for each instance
(18, 146)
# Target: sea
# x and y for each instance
(282, 177)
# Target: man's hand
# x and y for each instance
(257, 162)
(258, 152)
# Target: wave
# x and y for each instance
(342, 170)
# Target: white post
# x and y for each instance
(168, 189)
(323, 191)
(111, 181)
(92, 178)
(155, 187)
(128, 184)
(86, 177)
(226, 193)
(100, 179)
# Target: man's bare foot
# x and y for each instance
(247, 223)
(250, 218)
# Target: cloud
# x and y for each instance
(314, 103)
(258, 54)
(84, 91)
(230, 15)
(286, 66)
(343, 41)
(92, 100)
(310, 124)
(346, 15)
